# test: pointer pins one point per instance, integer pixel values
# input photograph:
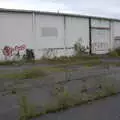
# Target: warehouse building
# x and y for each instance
(54, 33)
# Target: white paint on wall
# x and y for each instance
(55, 39)
(15, 29)
(54, 53)
(101, 23)
(55, 33)
(116, 33)
(49, 34)
(100, 41)
(76, 29)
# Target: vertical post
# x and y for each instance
(111, 34)
(33, 33)
(65, 48)
(90, 37)
(33, 26)
(65, 34)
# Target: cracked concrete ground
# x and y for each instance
(41, 91)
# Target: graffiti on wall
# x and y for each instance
(8, 51)
(13, 53)
(100, 46)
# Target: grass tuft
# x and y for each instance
(65, 100)
(25, 74)
(26, 109)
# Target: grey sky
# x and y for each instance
(105, 8)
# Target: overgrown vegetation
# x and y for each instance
(80, 49)
(25, 74)
(66, 100)
(73, 60)
(8, 62)
(58, 60)
(32, 73)
(29, 56)
(115, 53)
(26, 109)
(80, 56)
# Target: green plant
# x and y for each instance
(33, 73)
(65, 100)
(110, 89)
(49, 53)
(25, 74)
(29, 55)
(26, 109)
(114, 53)
(84, 89)
(79, 48)
(8, 62)
(14, 91)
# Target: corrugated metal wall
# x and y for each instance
(100, 36)
(20, 31)
(116, 34)
(77, 29)
(15, 30)
(49, 34)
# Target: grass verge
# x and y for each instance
(66, 60)
(26, 109)
(55, 60)
(25, 74)
(35, 72)
(65, 101)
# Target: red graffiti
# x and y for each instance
(7, 51)
(19, 48)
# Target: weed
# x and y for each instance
(114, 53)
(79, 48)
(25, 74)
(14, 91)
(110, 89)
(34, 73)
(7, 62)
(84, 89)
(26, 109)
(65, 101)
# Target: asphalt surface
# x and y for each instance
(106, 109)
(39, 92)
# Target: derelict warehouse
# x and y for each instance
(40, 31)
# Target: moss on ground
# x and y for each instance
(65, 100)
(25, 74)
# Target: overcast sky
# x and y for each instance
(105, 8)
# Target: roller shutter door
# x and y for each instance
(100, 41)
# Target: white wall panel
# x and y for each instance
(100, 23)
(77, 29)
(116, 34)
(15, 29)
(40, 32)
(100, 41)
(49, 31)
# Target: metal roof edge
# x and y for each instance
(55, 13)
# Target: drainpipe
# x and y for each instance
(33, 26)
(111, 43)
(65, 48)
(33, 32)
(90, 37)
(65, 34)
